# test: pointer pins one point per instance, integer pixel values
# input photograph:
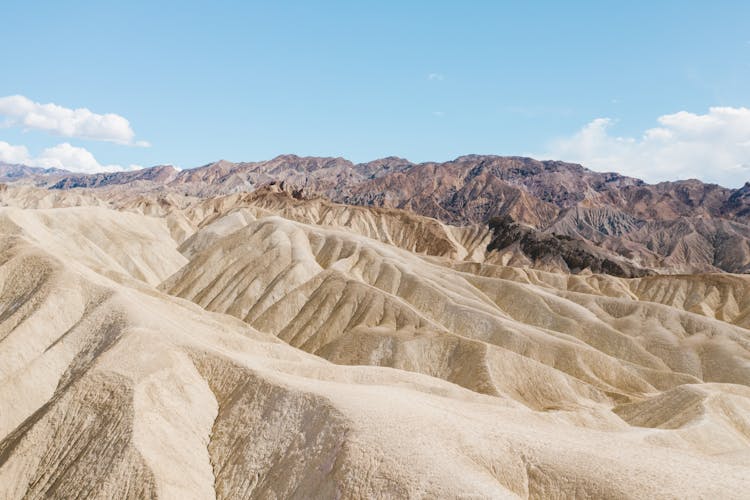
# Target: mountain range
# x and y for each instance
(672, 227)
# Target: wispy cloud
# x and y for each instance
(436, 77)
(713, 147)
(64, 155)
(438, 113)
(79, 123)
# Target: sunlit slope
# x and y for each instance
(121, 245)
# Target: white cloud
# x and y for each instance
(80, 123)
(73, 158)
(435, 76)
(713, 147)
(13, 154)
(64, 156)
(438, 113)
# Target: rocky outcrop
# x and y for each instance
(570, 254)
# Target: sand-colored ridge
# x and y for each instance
(323, 290)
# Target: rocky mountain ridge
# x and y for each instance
(676, 227)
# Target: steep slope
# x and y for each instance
(705, 416)
(682, 245)
(698, 244)
(512, 242)
(594, 224)
(738, 204)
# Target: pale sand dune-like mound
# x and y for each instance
(491, 382)
(32, 197)
(713, 418)
(219, 217)
(107, 241)
(724, 296)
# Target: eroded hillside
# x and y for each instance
(258, 345)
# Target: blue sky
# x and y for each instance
(200, 81)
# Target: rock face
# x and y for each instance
(564, 252)
(260, 345)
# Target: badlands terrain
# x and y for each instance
(489, 327)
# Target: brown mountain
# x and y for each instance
(468, 189)
(683, 226)
(13, 172)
